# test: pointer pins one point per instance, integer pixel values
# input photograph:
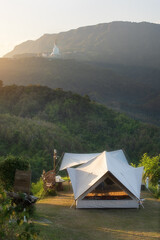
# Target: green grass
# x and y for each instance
(58, 221)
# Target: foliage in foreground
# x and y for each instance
(12, 225)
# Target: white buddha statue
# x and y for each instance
(55, 52)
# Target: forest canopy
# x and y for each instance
(34, 120)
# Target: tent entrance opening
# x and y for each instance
(107, 190)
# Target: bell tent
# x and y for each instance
(103, 180)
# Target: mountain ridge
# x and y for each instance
(116, 42)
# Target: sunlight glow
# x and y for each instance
(22, 20)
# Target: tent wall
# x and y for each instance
(107, 203)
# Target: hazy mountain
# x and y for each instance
(134, 90)
(116, 42)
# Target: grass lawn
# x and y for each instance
(57, 221)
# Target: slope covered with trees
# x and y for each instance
(34, 120)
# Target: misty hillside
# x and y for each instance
(116, 42)
(36, 119)
(134, 90)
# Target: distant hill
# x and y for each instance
(116, 42)
(131, 89)
(34, 120)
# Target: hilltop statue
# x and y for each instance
(55, 53)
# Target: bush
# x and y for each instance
(155, 191)
(51, 192)
(12, 225)
(8, 168)
(151, 168)
(37, 189)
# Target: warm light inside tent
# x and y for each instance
(107, 190)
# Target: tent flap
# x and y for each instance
(73, 159)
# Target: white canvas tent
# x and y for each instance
(103, 180)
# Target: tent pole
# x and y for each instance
(54, 160)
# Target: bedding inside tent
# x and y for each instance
(107, 190)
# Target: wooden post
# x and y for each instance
(54, 160)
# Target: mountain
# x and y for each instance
(134, 90)
(116, 42)
(34, 120)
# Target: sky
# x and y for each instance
(22, 20)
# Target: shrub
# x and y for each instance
(8, 168)
(155, 191)
(37, 188)
(151, 168)
(51, 192)
(12, 226)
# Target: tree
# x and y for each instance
(8, 168)
(151, 168)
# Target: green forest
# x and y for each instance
(34, 120)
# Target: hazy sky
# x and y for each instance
(21, 20)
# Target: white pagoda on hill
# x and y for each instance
(55, 53)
